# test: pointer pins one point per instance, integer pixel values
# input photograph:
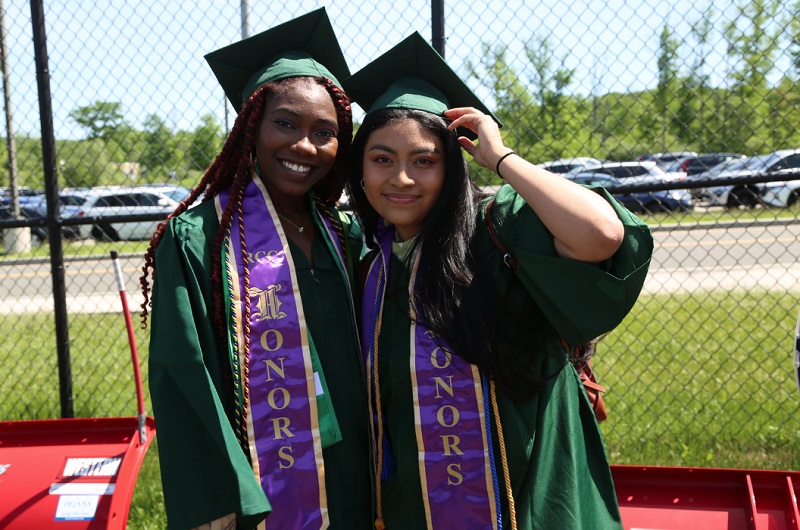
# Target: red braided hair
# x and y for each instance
(231, 168)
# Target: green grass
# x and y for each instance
(102, 380)
(87, 247)
(700, 380)
(721, 215)
(703, 380)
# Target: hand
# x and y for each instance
(490, 145)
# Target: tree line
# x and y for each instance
(748, 114)
(114, 152)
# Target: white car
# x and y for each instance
(776, 193)
(631, 172)
(107, 202)
(563, 165)
(797, 353)
(782, 193)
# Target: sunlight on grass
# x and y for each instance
(717, 392)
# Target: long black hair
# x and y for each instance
(455, 296)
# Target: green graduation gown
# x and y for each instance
(205, 474)
(560, 474)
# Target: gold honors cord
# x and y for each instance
(246, 321)
(335, 223)
(504, 460)
(241, 430)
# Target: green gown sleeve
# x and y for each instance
(581, 301)
(204, 472)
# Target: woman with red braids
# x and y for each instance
(255, 377)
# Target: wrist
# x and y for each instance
(500, 161)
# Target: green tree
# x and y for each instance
(100, 119)
(159, 146)
(549, 84)
(695, 118)
(753, 40)
(84, 163)
(509, 93)
(30, 169)
(512, 103)
(793, 25)
(206, 143)
(660, 117)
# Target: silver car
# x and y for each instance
(108, 202)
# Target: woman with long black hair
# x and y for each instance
(479, 420)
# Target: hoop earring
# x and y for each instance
(362, 184)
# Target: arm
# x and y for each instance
(204, 472)
(584, 225)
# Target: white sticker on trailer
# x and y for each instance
(82, 488)
(92, 467)
(77, 507)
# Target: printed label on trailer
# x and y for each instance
(92, 467)
(76, 507)
(4, 468)
(82, 488)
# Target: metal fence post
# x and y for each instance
(53, 209)
(437, 26)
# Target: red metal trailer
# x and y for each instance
(70, 474)
(673, 498)
(74, 473)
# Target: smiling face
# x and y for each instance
(404, 171)
(297, 143)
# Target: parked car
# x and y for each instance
(782, 193)
(34, 207)
(563, 165)
(646, 171)
(664, 160)
(176, 193)
(693, 165)
(797, 353)
(113, 201)
(777, 193)
(641, 202)
(22, 191)
(730, 195)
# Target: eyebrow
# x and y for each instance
(421, 151)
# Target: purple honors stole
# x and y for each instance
(283, 422)
(455, 460)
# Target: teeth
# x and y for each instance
(297, 167)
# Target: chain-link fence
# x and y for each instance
(704, 359)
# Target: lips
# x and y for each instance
(401, 198)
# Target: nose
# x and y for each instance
(402, 179)
(304, 146)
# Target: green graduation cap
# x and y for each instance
(412, 75)
(304, 46)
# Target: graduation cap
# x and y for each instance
(412, 75)
(304, 46)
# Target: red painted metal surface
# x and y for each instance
(70, 474)
(676, 498)
(74, 473)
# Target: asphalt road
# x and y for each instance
(760, 256)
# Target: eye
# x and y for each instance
(327, 133)
(426, 161)
(283, 123)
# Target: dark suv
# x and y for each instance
(702, 163)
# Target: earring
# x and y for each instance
(362, 184)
